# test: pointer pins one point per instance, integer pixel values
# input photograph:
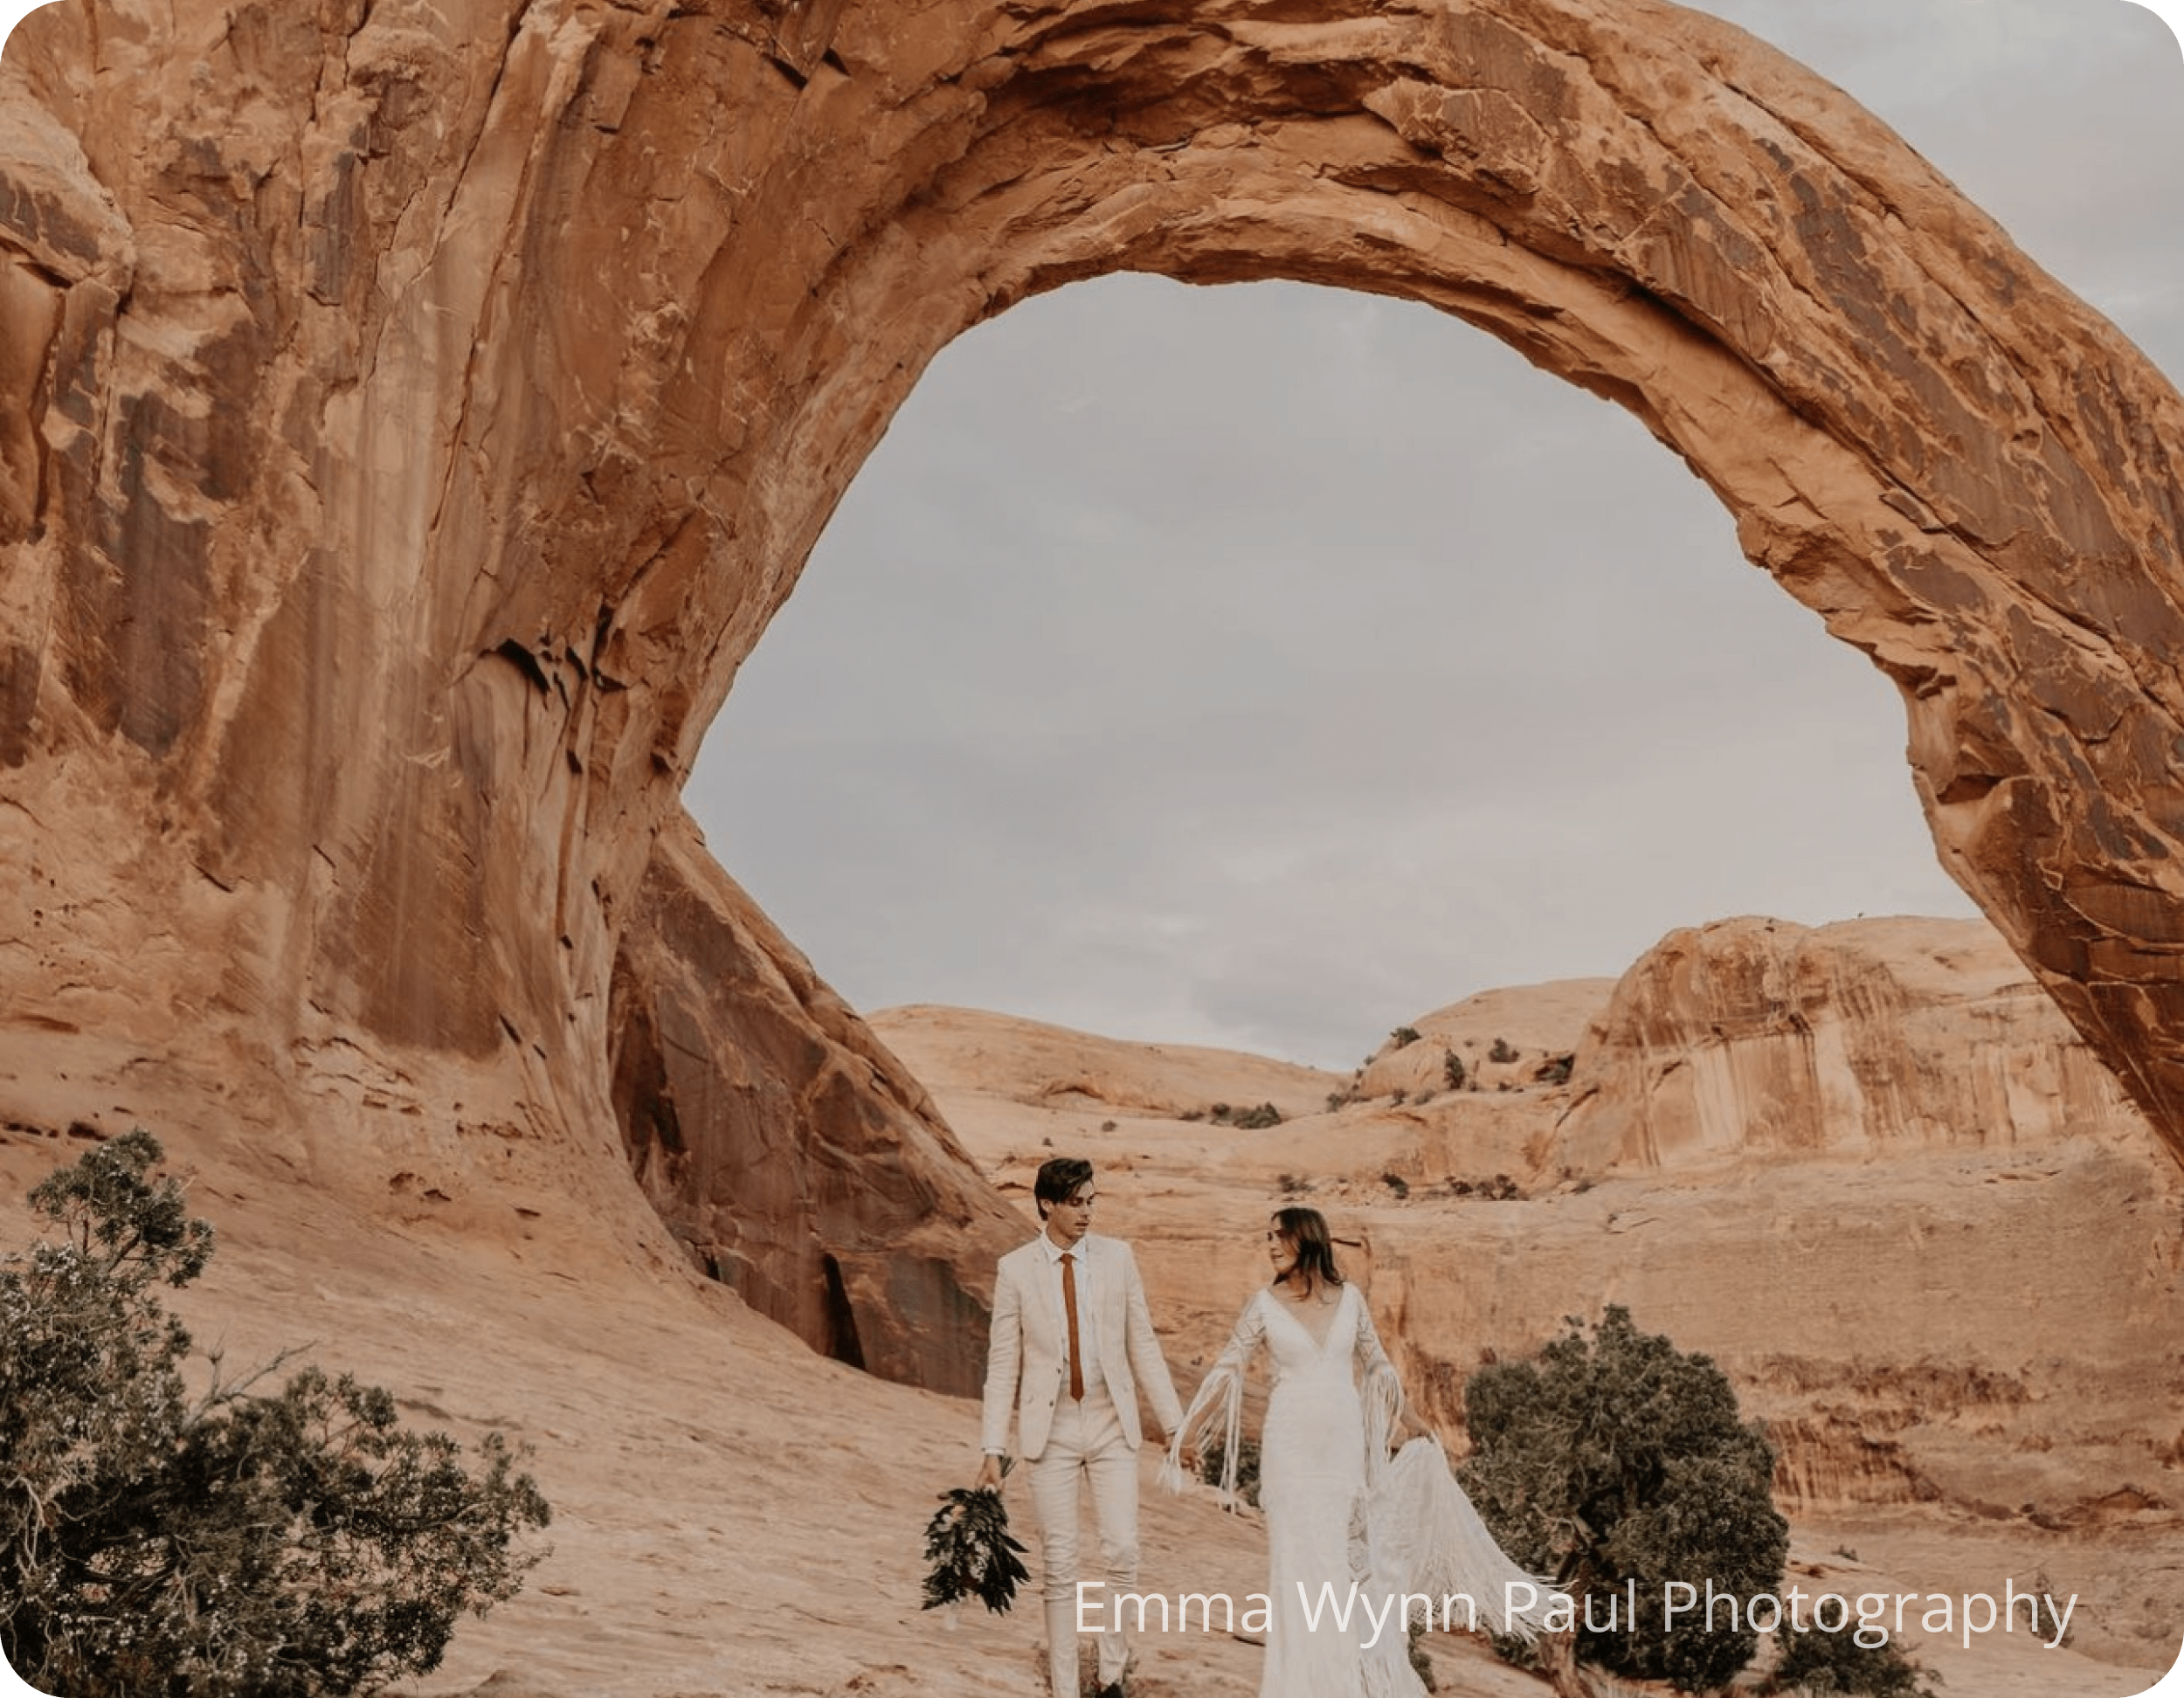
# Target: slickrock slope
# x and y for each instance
(411, 415)
(1934, 1246)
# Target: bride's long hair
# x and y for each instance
(1306, 1229)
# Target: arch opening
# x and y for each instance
(1260, 666)
(1963, 470)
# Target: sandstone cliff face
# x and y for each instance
(1863, 1037)
(781, 1142)
(411, 415)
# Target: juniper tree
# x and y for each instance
(161, 1543)
(1619, 1458)
(1819, 1662)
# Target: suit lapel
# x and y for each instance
(1095, 1263)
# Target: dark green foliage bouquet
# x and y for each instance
(1618, 1458)
(968, 1543)
(161, 1537)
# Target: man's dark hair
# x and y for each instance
(1060, 1180)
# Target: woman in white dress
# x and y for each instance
(1337, 1511)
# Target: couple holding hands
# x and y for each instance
(1072, 1348)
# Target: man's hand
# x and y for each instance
(989, 1475)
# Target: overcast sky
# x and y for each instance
(1264, 666)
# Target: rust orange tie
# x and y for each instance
(1069, 1309)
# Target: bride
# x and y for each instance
(1338, 1510)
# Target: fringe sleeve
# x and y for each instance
(1217, 1410)
(1380, 1395)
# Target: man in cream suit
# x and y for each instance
(1072, 1373)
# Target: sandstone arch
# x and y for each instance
(410, 415)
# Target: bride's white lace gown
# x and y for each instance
(1313, 1487)
(1337, 1509)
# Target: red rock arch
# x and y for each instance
(1923, 438)
(411, 415)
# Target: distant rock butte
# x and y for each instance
(412, 415)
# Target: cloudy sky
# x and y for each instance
(1265, 666)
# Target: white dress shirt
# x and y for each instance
(1087, 1334)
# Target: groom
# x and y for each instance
(1072, 1344)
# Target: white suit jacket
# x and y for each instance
(1026, 1361)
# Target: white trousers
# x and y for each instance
(1086, 1443)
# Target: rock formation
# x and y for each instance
(410, 415)
(785, 1145)
(1865, 1037)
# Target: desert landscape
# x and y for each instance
(412, 415)
(1868, 1168)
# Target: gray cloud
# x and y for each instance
(1265, 666)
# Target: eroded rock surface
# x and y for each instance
(411, 415)
(1862, 1038)
(785, 1145)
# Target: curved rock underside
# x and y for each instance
(410, 415)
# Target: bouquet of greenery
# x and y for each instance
(967, 1543)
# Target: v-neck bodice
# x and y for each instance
(1294, 1311)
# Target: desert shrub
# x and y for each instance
(1616, 1458)
(1215, 1457)
(1452, 1069)
(1815, 1662)
(1403, 1037)
(1397, 1184)
(1257, 1120)
(1502, 1051)
(1421, 1665)
(1555, 1070)
(156, 1542)
(2049, 1608)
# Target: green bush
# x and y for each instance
(1619, 1458)
(1421, 1665)
(1215, 1455)
(1403, 1037)
(156, 1543)
(1818, 1663)
(1502, 1051)
(1452, 1069)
